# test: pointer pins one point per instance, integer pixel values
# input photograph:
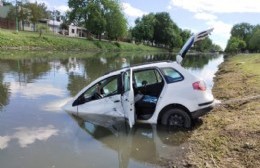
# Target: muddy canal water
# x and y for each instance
(35, 132)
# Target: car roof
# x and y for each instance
(143, 65)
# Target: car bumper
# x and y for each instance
(204, 110)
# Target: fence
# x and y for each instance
(7, 24)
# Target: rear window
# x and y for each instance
(171, 75)
(150, 76)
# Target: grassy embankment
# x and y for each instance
(32, 41)
(230, 134)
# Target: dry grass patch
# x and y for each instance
(230, 134)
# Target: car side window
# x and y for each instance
(110, 86)
(104, 88)
(171, 75)
(147, 77)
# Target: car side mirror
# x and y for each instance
(80, 100)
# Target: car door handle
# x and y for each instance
(116, 101)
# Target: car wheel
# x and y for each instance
(176, 118)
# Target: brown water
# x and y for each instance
(35, 132)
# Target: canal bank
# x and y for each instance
(49, 42)
(229, 135)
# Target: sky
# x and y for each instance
(195, 15)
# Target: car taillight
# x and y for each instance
(199, 85)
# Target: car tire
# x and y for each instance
(176, 118)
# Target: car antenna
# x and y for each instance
(193, 39)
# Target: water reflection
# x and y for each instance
(27, 136)
(27, 70)
(198, 61)
(4, 93)
(147, 144)
(55, 105)
(35, 90)
(4, 141)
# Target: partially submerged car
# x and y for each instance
(158, 92)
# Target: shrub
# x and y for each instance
(117, 44)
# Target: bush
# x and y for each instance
(117, 44)
(98, 44)
(42, 28)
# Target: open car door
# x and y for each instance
(193, 39)
(127, 97)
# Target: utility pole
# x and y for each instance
(53, 19)
(16, 16)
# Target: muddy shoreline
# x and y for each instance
(230, 133)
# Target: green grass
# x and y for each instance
(249, 62)
(32, 41)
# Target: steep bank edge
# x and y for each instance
(229, 135)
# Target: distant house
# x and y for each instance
(75, 31)
(4, 22)
(4, 11)
(27, 26)
(54, 25)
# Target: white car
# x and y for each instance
(158, 92)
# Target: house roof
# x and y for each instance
(54, 23)
(76, 27)
(4, 11)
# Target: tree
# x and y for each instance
(166, 31)
(42, 28)
(54, 15)
(137, 33)
(64, 26)
(88, 13)
(204, 45)
(37, 12)
(144, 28)
(78, 13)
(242, 31)
(23, 13)
(244, 37)
(254, 42)
(5, 3)
(27, 11)
(185, 34)
(235, 45)
(160, 29)
(216, 48)
(116, 24)
(175, 40)
(98, 16)
(96, 20)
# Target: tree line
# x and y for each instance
(160, 30)
(105, 19)
(244, 38)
